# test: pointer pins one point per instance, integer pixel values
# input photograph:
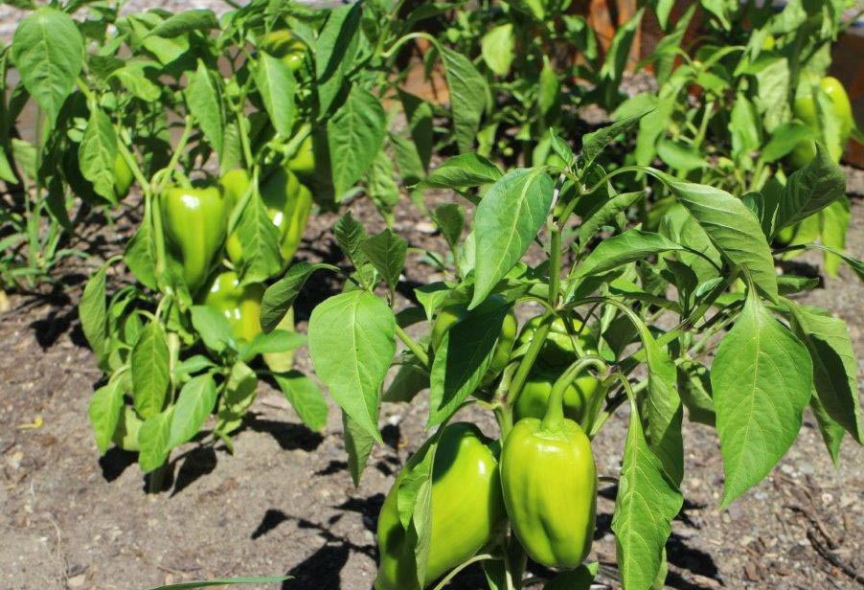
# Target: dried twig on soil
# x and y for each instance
(826, 554)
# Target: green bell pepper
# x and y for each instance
(467, 511)
(241, 305)
(549, 482)
(283, 45)
(123, 177)
(805, 110)
(194, 221)
(288, 203)
(559, 349)
(302, 163)
(534, 398)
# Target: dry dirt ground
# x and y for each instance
(284, 502)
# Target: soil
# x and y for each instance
(284, 502)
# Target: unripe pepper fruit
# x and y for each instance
(288, 203)
(534, 397)
(467, 511)
(195, 221)
(241, 305)
(549, 481)
(805, 110)
(122, 177)
(283, 45)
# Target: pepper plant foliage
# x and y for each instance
(654, 303)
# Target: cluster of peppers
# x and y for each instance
(195, 223)
(543, 481)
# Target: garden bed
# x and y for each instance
(284, 502)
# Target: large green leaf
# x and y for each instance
(277, 87)
(732, 227)
(835, 369)
(355, 135)
(203, 99)
(305, 397)
(98, 153)
(352, 342)
(194, 404)
(628, 247)
(334, 53)
(153, 439)
(358, 444)
(810, 189)
(508, 218)
(463, 357)
(646, 504)
(104, 413)
(761, 379)
(280, 296)
(462, 172)
(150, 370)
(48, 51)
(93, 313)
(469, 97)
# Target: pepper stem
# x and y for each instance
(554, 417)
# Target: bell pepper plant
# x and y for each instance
(628, 316)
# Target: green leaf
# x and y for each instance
(594, 143)
(48, 51)
(498, 48)
(784, 139)
(273, 342)
(280, 296)
(93, 312)
(679, 155)
(832, 432)
(213, 327)
(358, 444)
(194, 404)
(732, 228)
(462, 172)
(548, 88)
(386, 251)
(761, 377)
(646, 504)
(664, 410)
(450, 219)
(463, 357)
(153, 440)
(628, 247)
(355, 135)
(605, 213)
(133, 78)
(352, 342)
(104, 412)
(150, 370)
(469, 97)
(350, 235)
(334, 53)
(259, 239)
(223, 582)
(619, 50)
(276, 84)
(744, 127)
(506, 222)
(835, 368)
(140, 254)
(97, 154)
(203, 100)
(201, 19)
(306, 398)
(810, 189)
